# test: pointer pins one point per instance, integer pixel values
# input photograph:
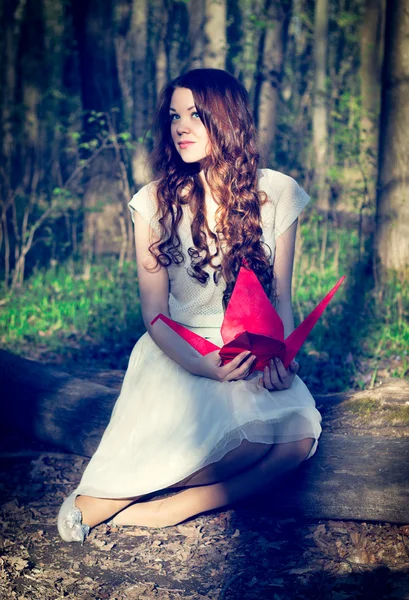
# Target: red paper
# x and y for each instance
(252, 323)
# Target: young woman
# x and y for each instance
(216, 432)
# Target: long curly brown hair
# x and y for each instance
(231, 174)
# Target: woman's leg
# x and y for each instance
(96, 510)
(195, 500)
(246, 455)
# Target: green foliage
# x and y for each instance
(293, 148)
(75, 315)
(360, 337)
(47, 223)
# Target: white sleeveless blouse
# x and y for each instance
(199, 306)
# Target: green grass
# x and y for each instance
(363, 335)
(65, 315)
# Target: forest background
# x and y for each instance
(328, 84)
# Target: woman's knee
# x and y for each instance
(302, 448)
(294, 452)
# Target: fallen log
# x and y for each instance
(51, 406)
(351, 477)
(362, 478)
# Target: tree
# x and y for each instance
(197, 20)
(100, 93)
(392, 233)
(11, 25)
(270, 71)
(27, 101)
(215, 34)
(319, 116)
(138, 57)
(370, 75)
(177, 43)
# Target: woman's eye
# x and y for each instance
(174, 117)
(196, 115)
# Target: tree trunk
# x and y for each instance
(138, 52)
(123, 56)
(100, 92)
(53, 407)
(11, 17)
(30, 159)
(197, 21)
(350, 478)
(234, 36)
(139, 33)
(392, 233)
(157, 24)
(270, 72)
(161, 66)
(215, 34)
(33, 81)
(319, 117)
(370, 75)
(177, 42)
(11, 22)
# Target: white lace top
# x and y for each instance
(198, 305)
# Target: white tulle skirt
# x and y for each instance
(167, 424)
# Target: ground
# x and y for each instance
(245, 553)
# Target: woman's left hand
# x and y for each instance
(276, 377)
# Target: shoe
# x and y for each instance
(70, 526)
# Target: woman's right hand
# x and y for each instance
(211, 366)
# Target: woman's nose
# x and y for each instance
(182, 126)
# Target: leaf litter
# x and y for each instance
(237, 554)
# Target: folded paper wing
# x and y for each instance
(296, 339)
(199, 343)
(251, 323)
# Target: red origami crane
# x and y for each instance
(251, 323)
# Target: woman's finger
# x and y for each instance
(267, 379)
(282, 373)
(242, 371)
(294, 367)
(275, 379)
(237, 361)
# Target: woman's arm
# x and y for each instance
(276, 377)
(283, 271)
(154, 296)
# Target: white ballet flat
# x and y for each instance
(70, 525)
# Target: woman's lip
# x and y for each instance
(184, 144)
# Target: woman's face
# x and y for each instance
(188, 132)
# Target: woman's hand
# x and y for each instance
(276, 377)
(211, 366)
